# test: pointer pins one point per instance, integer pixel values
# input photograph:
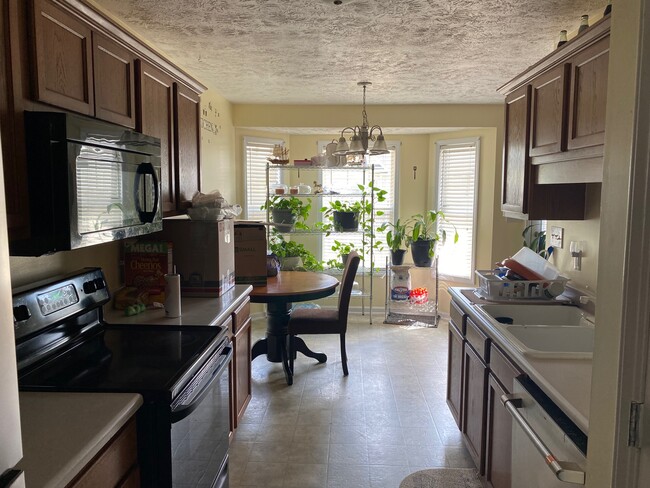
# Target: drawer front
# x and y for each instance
(228, 324)
(113, 464)
(502, 368)
(458, 317)
(477, 338)
(241, 315)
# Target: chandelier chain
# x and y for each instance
(363, 112)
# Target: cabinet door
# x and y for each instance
(474, 403)
(63, 59)
(114, 75)
(515, 152)
(547, 112)
(156, 118)
(455, 373)
(588, 96)
(187, 143)
(243, 390)
(499, 432)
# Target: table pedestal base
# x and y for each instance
(276, 343)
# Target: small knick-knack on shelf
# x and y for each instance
(608, 9)
(584, 24)
(563, 38)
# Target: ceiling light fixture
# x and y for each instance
(361, 135)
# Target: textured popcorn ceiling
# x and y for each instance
(302, 51)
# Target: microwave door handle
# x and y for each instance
(566, 472)
(146, 169)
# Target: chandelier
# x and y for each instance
(361, 135)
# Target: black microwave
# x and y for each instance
(89, 182)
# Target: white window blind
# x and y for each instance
(256, 152)
(346, 182)
(456, 198)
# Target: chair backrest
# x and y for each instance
(347, 282)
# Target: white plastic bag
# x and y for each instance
(212, 206)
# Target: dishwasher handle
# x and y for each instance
(564, 471)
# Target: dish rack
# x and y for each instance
(494, 287)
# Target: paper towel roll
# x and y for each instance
(172, 295)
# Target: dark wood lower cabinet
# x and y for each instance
(499, 433)
(474, 405)
(455, 373)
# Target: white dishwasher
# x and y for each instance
(548, 449)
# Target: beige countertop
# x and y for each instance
(194, 311)
(62, 432)
(566, 381)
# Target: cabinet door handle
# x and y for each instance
(564, 471)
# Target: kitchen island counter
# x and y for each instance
(63, 432)
(566, 381)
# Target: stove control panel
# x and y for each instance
(55, 300)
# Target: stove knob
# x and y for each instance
(100, 283)
(21, 313)
(90, 287)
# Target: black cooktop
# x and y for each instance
(151, 360)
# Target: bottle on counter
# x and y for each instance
(608, 9)
(563, 39)
(584, 24)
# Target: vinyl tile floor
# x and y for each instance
(371, 429)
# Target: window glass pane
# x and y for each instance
(256, 152)
(457, 184)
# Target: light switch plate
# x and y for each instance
(557, 237)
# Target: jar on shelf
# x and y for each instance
(280, 189)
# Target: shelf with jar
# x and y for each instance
(348, 215)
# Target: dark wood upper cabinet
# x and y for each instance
(187, 112)
(515, 153)
(114, 75)
(63, 59)
(155, 108)
(588, 96)
(548, 112)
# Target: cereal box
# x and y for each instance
(145, 265)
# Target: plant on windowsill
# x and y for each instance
(423, 235)
(535, 240)
(288, 213)
(293, 255)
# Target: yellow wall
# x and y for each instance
(218, 165)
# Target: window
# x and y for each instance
(256, 150)
(456, 198)
(346, 182)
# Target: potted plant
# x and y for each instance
(293, 255)
(424, 235)
(288, 212)
(344, 215)
(343, 250)
(395, 239)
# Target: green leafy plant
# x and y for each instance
(298, 207)
(424, 227)
(396, 237)
(283, 248)
(535, 240)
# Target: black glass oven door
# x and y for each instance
(201, 426)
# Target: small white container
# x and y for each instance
(536, 263)
(172, 295)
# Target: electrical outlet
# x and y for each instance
(557, 237)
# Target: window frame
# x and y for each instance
(435, 201)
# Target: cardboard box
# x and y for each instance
(204, 254)
(145, 265)
(250, 253)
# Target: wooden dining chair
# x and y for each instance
(326, 321)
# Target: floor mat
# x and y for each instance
(442, 478)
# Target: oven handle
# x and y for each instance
(188, 405)
(564, 471)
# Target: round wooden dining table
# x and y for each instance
(279, 294)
